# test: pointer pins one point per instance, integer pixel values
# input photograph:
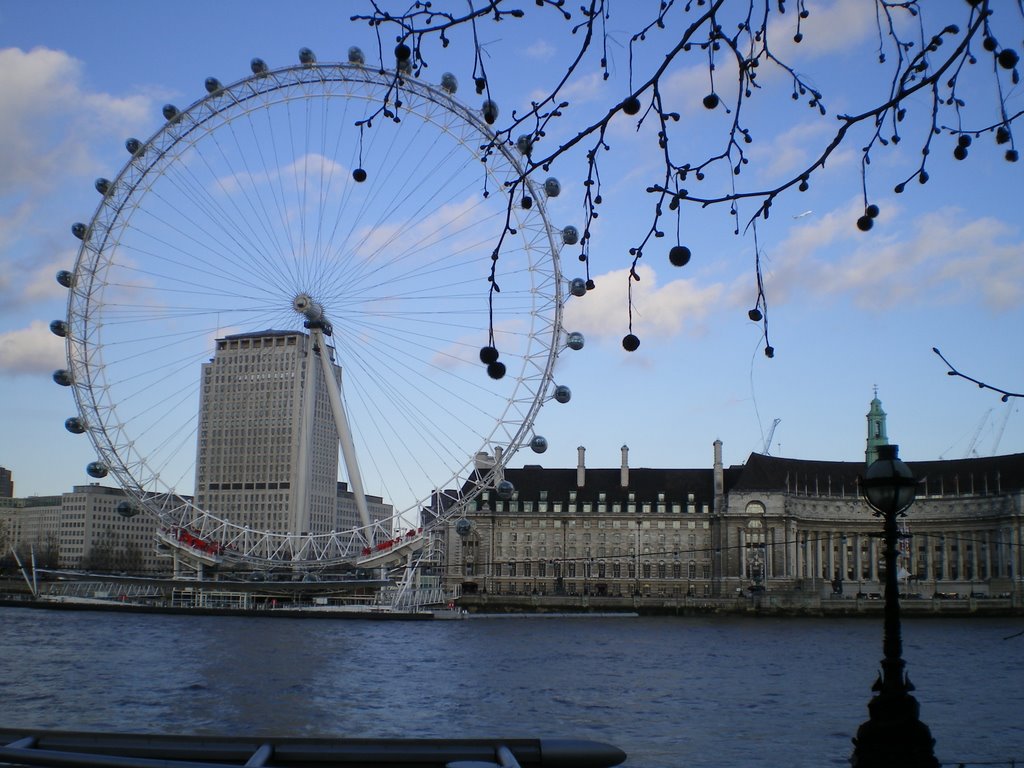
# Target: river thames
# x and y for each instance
(671, 692)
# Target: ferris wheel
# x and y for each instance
(350, 212)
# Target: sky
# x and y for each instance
(850, 311)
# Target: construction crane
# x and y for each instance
(1002, 428)
(972, 448)
(768, 440)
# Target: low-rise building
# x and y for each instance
(84, 529)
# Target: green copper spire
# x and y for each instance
(876, 430)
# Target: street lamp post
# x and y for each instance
(893, 735)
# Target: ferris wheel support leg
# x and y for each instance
(348, 448)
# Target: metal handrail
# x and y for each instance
(65, 749)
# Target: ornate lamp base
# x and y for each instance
(893, 737)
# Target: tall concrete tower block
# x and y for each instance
(267, 453)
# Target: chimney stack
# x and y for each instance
(581, 470)
(719, 476)
(624, 472)
(500, 474)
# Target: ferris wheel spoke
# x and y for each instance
(209, 250)
(390, 201)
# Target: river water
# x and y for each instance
(671, 692)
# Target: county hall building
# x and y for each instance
(791, 528)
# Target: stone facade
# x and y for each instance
(784, 526)
(267, 447)
(83, 530)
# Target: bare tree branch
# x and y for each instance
(1006, 395)
(924, 63)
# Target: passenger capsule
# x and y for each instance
(575, 341)
(74, 425)
(258, 66)
(65, 278)
(103, 186)
(134, 146)
(96, 469)
(78, 229)
(63, 377)
(539, 444)
(213, 85)
(552, 187)
(570, 235)
(505, 490)
(127, 509)
(356, 56)
(59, 328)
(306, 56)
(170, 112)
(449, 82)
(578, 286)
(525, 144)
(463, 527)
(563, 394)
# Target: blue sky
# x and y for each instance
(944, 265)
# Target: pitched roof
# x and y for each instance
(645, 483)
(989, 474)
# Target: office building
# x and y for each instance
(267, 453)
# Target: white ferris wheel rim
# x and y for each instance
(104, 277)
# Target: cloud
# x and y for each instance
(47, 118)
(684, 89)
(579, 90)
(41, 283)
(659, 311)
(314, 167)
(49, 126)
(541, 50)
(30, 351)
(828, 30)
(942, 259)
(795, 149)
(398, 236)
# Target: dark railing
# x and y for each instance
(118, 750)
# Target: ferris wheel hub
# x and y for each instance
(312, 310)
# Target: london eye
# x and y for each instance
(355, 210)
